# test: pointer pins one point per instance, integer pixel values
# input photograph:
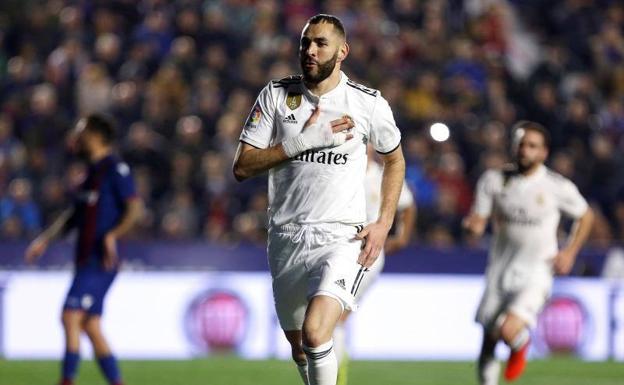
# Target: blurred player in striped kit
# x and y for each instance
(104, 209)
(525, 202)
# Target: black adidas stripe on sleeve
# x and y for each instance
(359, 87)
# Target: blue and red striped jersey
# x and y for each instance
(99, 206)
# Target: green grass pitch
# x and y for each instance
(232, 371)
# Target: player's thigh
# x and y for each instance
(73, 319)
(321, 317)
(512, 325)
(92, 325)
(322, 313)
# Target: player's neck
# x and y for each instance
(99, 154)
(532, 170)
(326, 85)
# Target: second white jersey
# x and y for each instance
(374, 176)
(325, 185)
(526, 211)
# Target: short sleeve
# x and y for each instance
(124, 183)
(569, 199)
(484, 194)
(384, 133)
(258, 129)
(406, 199)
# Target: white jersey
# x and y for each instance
(326, 185)
(374, 175)
(526, 212)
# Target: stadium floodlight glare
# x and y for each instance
(439, 132)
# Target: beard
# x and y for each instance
(524, 164)
(323, 69)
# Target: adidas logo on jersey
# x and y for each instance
(290, 119)
(341, 283)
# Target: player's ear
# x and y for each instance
(343, 51)
(546, 153)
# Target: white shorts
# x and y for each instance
(310, 260)
(525, 300)
(371, 276)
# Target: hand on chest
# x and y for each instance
(295, 111)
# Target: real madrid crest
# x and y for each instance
(293, 100)
(540, 199)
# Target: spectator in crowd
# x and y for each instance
(19, 211)
(178, 77)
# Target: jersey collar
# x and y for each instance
(541, 170)
(339, 86)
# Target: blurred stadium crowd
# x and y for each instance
(180, 78)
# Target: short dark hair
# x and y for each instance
(331, 19)
(102, 125)
(532, 126)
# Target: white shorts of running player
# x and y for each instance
(310, 260)
(509, 291)
(370, 277)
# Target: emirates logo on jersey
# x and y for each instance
(322, 157)
(519, 216)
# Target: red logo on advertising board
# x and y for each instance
(216, 320)
(562, 325)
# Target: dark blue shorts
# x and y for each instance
(88, 290)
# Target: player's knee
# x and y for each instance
(298, 355)
(508, 332)
(70, 321)
(65, 320)
(92, 328)
(314, 336)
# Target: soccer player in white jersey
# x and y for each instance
(525, 203)
(310, 132)
(406, 217)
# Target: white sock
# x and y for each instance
(520, 340)
(302, 367)
(340, 345)
(322, 364)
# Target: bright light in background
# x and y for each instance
(439, 132)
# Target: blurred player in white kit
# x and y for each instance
(405, 221)
(310, 132)
(525, 203)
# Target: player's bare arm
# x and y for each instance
(474, 224)
(39, 245)
(130, 216)
(250, 161)
(404, 228)
(375, 234)
(564, 260)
